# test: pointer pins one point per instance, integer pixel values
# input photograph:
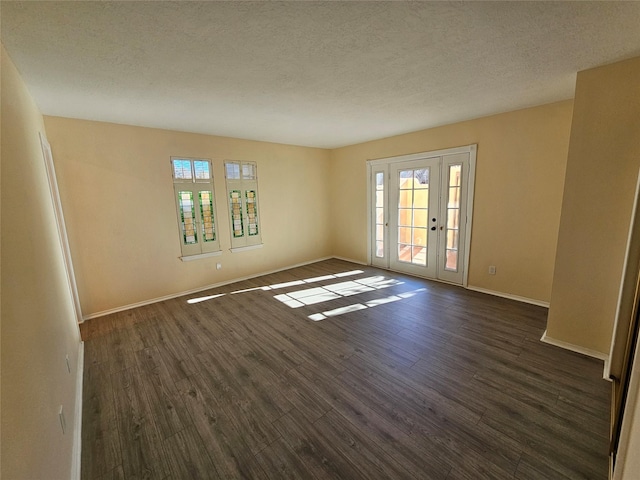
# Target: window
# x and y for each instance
(195, 204)
(242, 193)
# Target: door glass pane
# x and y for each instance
(379, 240)
(421, 178)
(404, 235)
(419, 256)
(452, 261)
(455, 172)
(413, 204)
(187, 218)
(406, 197)
(404, 217)
(379, 231)
(421, 198)
(404, 252)
(453, 218)
(419, 237)
(454, 197)
(452, 239)
(420, 217)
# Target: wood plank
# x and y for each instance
(167, 408)
(446, 383)
(279, 460)
(224, 443)
(100, 436)
(187, 456)
(143, 456)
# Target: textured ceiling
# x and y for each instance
(322, 74)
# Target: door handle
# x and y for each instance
(433, 228)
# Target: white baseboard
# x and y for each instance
(358, 262)
(199, 289)
(574, 348)
(532, 301)
(77, 430)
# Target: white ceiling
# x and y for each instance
(323, 74)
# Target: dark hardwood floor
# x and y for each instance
(391, 377)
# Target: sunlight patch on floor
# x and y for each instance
(316, 317)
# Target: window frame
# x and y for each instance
(196, 186)
(242, 193)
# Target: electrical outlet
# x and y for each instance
(492, 269)
(218, 266)
(68, 364)
(63, 421)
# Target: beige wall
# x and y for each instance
(520, 169)
(117, 194)
(38, 323)
(602, 168)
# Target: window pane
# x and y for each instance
(404, 217)
(404, 252)
(182, 169)
(454, 197)
(379, 180)
(187, 218)
(452, 261)
(206, 211)
(421, 198)
(404, 235)
(421, 178)
(420, 218)
(452, 239)
(379, 198)
(248, 171)
(420, 237)
(379, 233)
(202, 169)
(379, 249)
(453, 218)
(455, 172)
(232, 170)
(252, 212)
(379, 215)
(236, 213)
(405, 199)
(419, 256)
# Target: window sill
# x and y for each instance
(243, 249)
(188, 258)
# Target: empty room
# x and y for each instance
(320, 240)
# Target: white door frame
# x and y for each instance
(373, 163)
(62, 229)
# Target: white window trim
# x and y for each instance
(188, 258)
(246, 241)
(193, 184)
(248, 247)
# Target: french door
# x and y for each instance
(420, 213)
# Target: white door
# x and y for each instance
(420, 213)
(414, 216)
